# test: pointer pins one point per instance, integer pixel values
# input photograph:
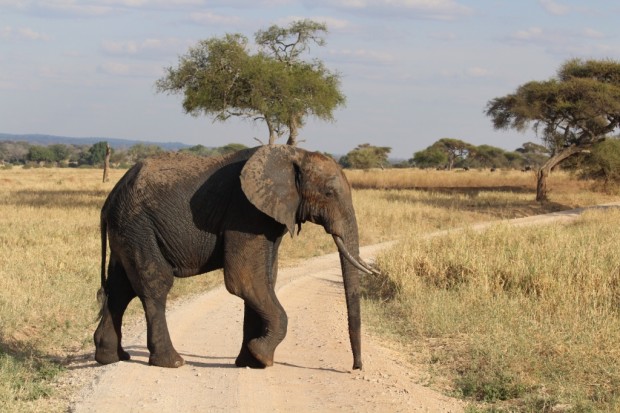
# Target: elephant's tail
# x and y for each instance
(102, 294)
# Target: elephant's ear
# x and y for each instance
(268, 180)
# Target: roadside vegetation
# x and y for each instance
(49, 275)
(511, 319)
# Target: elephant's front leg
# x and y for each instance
(249, 272)
(252, 328)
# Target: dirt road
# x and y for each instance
(312, 369)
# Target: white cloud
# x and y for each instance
(22, 33)
(554, 7)
(133, 69)
(423, 9)
(362, 56)
(146, 48)
(209, 18)
(529, 34)
(114, 68)
(474, 72)
(28, 33)
(127, 3)
(593, 33)
(75, 8)
(444, 37)
(567, 42)
(333, 24)
(477, 72)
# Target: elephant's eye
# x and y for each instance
(329, 193)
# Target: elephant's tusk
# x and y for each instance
(369, 267)
(357, 263)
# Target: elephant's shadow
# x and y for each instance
(140, 355)
(190, 359)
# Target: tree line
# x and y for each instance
(601, 162)
(64, 155)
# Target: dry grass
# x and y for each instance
(412, 178)
(525, 319)
(49, 253)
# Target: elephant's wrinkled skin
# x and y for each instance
(179, 215)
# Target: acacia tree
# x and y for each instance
(487, 156)
(221, 78)
(366, 156)
(214, 78)
(429, 157)
(455, 149)
(445, 152)
(311, 80)
(534, 155)
(570, 112)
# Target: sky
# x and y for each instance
(412, 71)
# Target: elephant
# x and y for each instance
(180, 215)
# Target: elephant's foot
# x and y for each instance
(170, 360)
(246, 359)
(261, 351)
(109, 357)
(108, 349)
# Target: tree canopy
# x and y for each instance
(220, 77)
(570, 112)
(201, 150)
(602, 163)
(95, 154)
(366, 156)
(446, 151)
(431, 157)
(449, 153)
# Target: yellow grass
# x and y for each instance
(522, 318)
(411, 178)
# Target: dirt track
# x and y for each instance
(312, 369)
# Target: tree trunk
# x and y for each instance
(541, 184)
(272, 132)
(293, 128)
(543, 173)
(106, 164)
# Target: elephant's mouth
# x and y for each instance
(357, 262)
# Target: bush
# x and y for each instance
(603, 163)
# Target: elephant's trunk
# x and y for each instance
(351, 276)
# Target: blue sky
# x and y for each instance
(413, 71)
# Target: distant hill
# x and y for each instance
(37, 139)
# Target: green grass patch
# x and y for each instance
(24, 378)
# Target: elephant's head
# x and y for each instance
(294, 186)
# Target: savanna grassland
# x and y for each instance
(522, 320)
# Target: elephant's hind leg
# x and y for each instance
(162, 352)
(108, 334)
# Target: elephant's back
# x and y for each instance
(179, 168)
(162, 184)
(173, 169)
